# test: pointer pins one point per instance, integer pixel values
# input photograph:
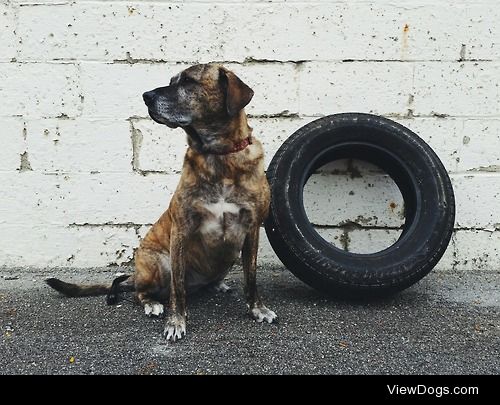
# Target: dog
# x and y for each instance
(217, 209)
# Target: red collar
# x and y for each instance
(237, 147)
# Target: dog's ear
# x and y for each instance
(237, 94)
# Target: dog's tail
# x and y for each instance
(79, 290)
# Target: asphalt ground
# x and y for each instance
(448, 323)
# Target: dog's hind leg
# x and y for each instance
(152, 279)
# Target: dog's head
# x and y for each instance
(198, 96)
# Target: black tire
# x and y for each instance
(415, 168)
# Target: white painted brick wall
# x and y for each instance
(39, 90)
(78, 145)
(327, 86)
(458, 89)
(84, 171)
(13, 144)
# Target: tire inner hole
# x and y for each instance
(354, 205)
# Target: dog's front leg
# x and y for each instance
(249, 258)
(175, 327)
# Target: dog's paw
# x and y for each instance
(175, 328)
(153, 309)
(222, 287)
(262, 313)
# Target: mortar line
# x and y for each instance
(245, 62)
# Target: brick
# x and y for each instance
(13, 144)
(307, 32)
(115, 90)
(457, 89)
(444, 136)
(366, 200)
(80, 198)
(110, 30)
(477, 250)
(160, 148)
(272, 132)
(39, 90)
(79, 145)
(477, 197)
(275, 86)
(8, 44)
(437, 31)
(479, 146)
(380, 88)
(62, 246)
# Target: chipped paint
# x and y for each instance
(25, 165)
(490, 168)
(345, 240)
(136, 138)
(463, 51)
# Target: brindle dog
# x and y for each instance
(218, 206)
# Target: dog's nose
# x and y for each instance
(148, 97)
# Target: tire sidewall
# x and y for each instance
(317, 262)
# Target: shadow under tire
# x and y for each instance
(415, 168)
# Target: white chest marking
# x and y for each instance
(220, 207)
(215, 223)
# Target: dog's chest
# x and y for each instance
(220, 219)
(223, 220)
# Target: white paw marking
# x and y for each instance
(153, 309)
(222, 287)
(175, 328)
(263, 314)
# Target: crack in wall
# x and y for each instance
(125, 225)
(250, 60)
(282, 114)
(136, 139)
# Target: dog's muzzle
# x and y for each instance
(148, 98)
